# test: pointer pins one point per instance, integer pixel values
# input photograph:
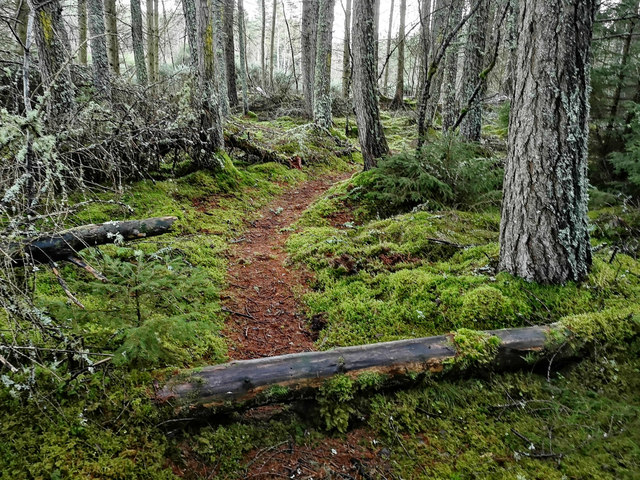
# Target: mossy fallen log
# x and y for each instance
(65, 245)
(261, 381)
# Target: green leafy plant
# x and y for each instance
(628, 161)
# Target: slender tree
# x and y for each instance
(189, 10)
(309, 33)
(151, 62)
(365, 88)
(450, 107)
(263, 52)
(346, 51)
(293, 54)
(138, 42)
(243, 54)
(438, 33)
(322, 90)
(220, 69)
(398, 99)
(111, 27)
(52, 41)
(272, 52)
(473, 71)
(425, 37)
(230, 52)
(22, 17)
(99, 59)
(387, 64)
(376, 32)
(82, 32)
(544, 232)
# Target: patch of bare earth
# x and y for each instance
(264, 315)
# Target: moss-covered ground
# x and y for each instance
(414, 274)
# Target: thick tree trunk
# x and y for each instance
(346, 51)
(272, 53)
(376, 35)
(387, 63)
(99, 59)
(52, 41)
(474, 59)
(512, 46)
(398, 99)
(230, 52)
(309, 34)
(450, 106)
(68, 243)
(82, 32)
(322, 90)
(111, 24)
(247, 383)
(220, 68)
(138, 42)
(365, 87)
(544, 233)
(243, 54)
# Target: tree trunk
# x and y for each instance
(365, 86)
(512, 44)
(220, 68)
(474, 59)
(309, 34)
(156, 42)
(450, 107)
(322, 90)
(293, 54)
(150, 41)
(66, 244)
(52, 40)
(425, 40)
(272, 44)
(111, 24)
(99, 59)
(544, 233)
(22, 17)
(387, 63)
(376, 36)
(243, 54)
(138, 42)
(245, 383)
(230, 53)
(438, 31)
(346, 51)
(398, 99)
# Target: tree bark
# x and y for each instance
(293, 54)
(474, 58)
(82, 32)
(151, 61)
(22, 17)
(66, 244)
(247, 383)
(263, 35)
(346, 51)
(243, 54)
(52, 41)
(322, 89)
(230, 53)
(220, 68)
(272, 44)
(191, 22)
(425, 41)
(438, 31)
(309, 34)
(450, 107)
(398, 99)
(388, 52)
(111, 25)
(544, 235)
(138, 42)
(365, 87)
(99, 59)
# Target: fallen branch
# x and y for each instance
(65, 245)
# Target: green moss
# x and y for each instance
(334, 402)
(485, 306)
(474, 348)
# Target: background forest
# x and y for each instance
(186, 183)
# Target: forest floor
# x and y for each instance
(265, 317)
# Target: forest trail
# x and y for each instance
(264, 315)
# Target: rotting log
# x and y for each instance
(66, 244)
(251, 382)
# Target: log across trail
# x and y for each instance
(253, 382)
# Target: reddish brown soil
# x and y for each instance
(264, 317)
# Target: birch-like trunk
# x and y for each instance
(138, 42)
(544, 233)
(322, 90)
(365, 86)
(309, 35)
(99, 59)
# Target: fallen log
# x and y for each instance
(261, 381)
(66, 244)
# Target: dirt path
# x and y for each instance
(264, 316)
